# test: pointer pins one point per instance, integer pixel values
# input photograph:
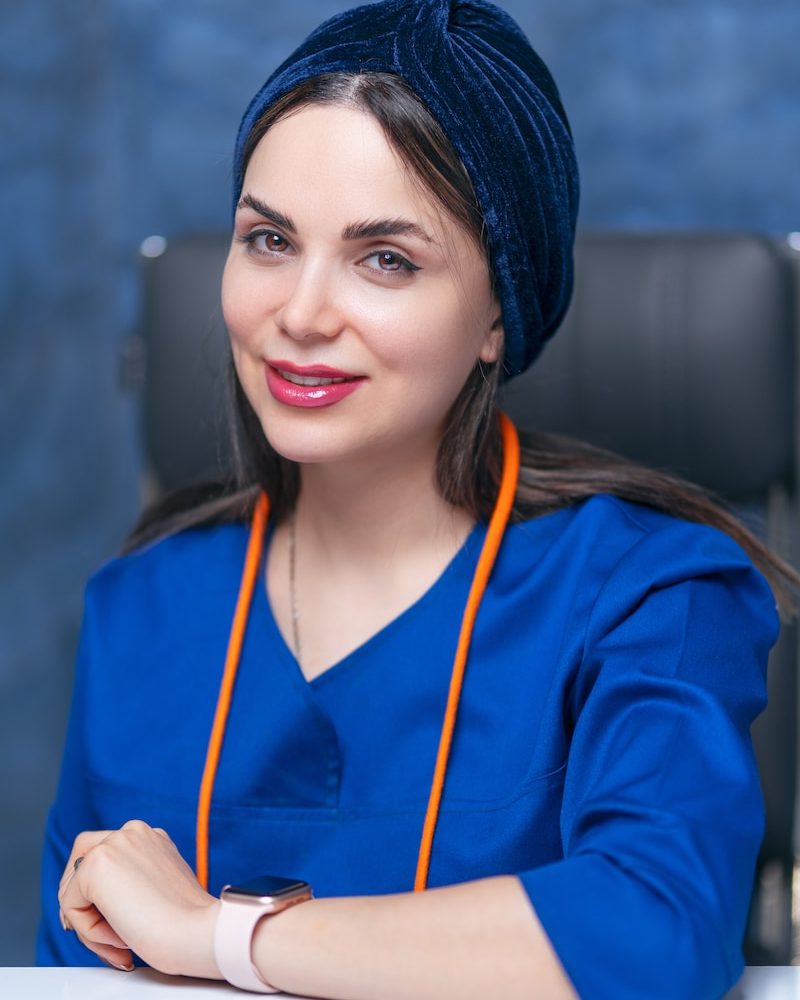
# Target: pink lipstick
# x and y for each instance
(309, 385)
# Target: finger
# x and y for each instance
(120, 958)
(93, 929)
(66, 878)
(81, 846)
(84, 842)
(80, 912)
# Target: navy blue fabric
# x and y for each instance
(601, 752)
(496, 101)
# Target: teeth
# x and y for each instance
(309, 380)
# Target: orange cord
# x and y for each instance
(491, 546)
(250, 573)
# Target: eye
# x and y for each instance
(265, 242)
(390, 262)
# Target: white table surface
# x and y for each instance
(108, 984)
(765, 983)
(769, 983)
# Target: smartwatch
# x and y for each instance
(242, 906)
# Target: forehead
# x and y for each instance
(338, 160)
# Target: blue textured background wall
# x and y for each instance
(117, 119)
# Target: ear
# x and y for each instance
(492, 346)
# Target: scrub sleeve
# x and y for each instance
(660, 829)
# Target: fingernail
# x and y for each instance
(120, 968)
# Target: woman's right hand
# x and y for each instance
(131, 891)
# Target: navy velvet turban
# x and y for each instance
(473, 68)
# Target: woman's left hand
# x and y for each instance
(132, 891)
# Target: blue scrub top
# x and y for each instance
(602, 750)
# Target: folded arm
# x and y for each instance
(482, 938)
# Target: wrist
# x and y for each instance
(199, 945)
(273, 948)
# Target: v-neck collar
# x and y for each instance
(465, 556)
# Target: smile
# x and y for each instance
(309, 379)
(309, 388)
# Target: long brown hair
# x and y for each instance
(556, 472)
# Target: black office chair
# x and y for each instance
(678, 351)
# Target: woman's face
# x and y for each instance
(356, 308)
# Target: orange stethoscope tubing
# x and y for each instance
(252, 564)
(480, 581)
(250, 575)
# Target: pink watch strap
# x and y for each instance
(233, 936)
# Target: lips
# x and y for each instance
(309, 385)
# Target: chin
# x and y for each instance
(309, 445)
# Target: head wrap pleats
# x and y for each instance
(471, 65)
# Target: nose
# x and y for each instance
(310, 308)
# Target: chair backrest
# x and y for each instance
(185, 348)
(678, 351)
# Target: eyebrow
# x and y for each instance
(264, 210)
(368, 229)
(386, 227)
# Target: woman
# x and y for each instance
(405, 196)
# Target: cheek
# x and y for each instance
(246, 302)
(434, 338)
(247, 371)
(233, 311)
(242, 322)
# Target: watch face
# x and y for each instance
(268, 885)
